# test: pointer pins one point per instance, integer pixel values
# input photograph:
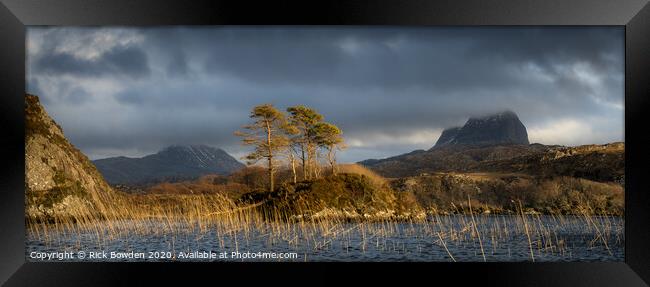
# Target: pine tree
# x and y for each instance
(329, 137)
(267, 134)
(304, 119)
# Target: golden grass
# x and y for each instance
(118, 216)
(197, 215)
(359, 169)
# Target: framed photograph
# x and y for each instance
(496, 142)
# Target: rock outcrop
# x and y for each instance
(60, 181)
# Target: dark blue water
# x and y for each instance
(499, 238)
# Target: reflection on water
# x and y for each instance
(447, 238)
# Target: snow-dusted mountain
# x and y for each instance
(172, 163)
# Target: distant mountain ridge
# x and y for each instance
(176, 162)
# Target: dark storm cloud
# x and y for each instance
(391, 90)
(126, 61)
(551, 45)
(439, 58)
(85, 52)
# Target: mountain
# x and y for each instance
(499, 143)
(172, 163)
(60, 181)
(447, 137)
(497, 129)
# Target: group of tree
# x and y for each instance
(299, 137)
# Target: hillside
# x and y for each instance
(499, 143)
(502, 192)
(603, 163)
(170, 164)
(59, 180)
(595, 162)
(462, 158)
(357, 193)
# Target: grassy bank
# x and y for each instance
(358, 192)
(502, 193)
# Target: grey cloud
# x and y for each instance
(178, 65)
(442, 58)
(196, 85)
(120, 61)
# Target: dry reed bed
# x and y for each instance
(197, 215)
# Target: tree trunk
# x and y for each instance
(316, 165)
(310, 166)
(312, 162)
(304, 162)
(271, 182)
(330, 157)
(270, 155)
(293, 166)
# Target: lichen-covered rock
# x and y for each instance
(60, 181)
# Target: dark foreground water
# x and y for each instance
(451, 238)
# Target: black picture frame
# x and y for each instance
(633, 14)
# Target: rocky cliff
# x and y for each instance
(447, 137)
(60, 181)
(497, 129)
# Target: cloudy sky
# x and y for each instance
(130, 92)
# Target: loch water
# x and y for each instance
(491, 238)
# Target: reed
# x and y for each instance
(525, 222)
(216, 218)
(478, 234)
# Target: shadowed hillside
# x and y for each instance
(605, 163)
(170, 164)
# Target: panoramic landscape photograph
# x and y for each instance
(303, 144)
